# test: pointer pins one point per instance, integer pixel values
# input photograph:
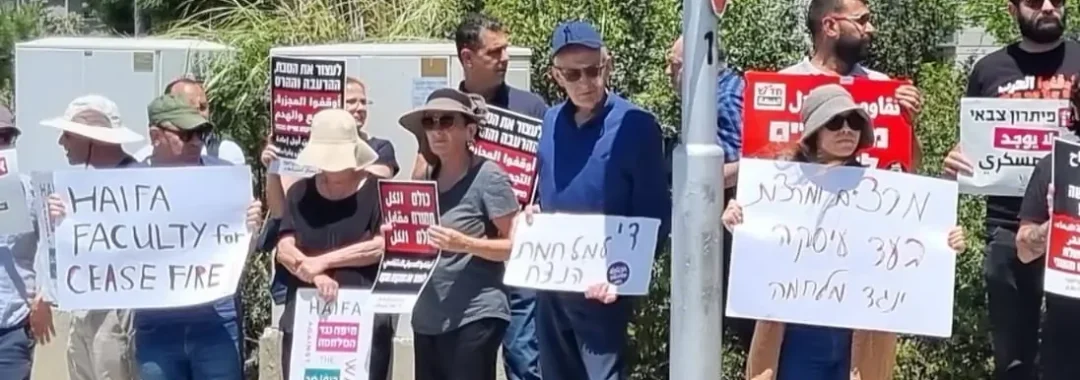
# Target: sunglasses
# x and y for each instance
(8, 137)
(575, 74)
(431, 123)
(1036, 4)
(203, 133)
(839, 122)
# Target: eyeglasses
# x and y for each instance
(575, 74)
(431, 123)
(865, 18)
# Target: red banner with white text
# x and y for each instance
(772, 123)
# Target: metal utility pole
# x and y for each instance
(697, 247)
(137, 17)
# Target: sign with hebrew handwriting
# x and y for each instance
(409, 207)
(150, 237)
(845, 247)
(1063, 246)
(571, 252)
(772, 124)
(331, 340)
(1004, 138)
(510, 139)
(299, 88)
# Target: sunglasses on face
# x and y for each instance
(575, 74)
(8, 138)
(1037, 4)
(203, 133)
(839, 122)
(431, 123)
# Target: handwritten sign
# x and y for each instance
(300, 87)
(1063, 248)
(150, 238)
(772, 124)
(510, 139)
(570, 253)
(410, 207)
(14, 209)
(331, 340)
(1004, 138)
(845, 247)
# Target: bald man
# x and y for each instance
(216, 147)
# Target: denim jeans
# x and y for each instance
(814, 353)
(521, 351)
(189, 351)
(16, 352)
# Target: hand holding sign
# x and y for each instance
(732, 215)
(254, 216)
(328, 288)
(956, 163)
(910, 100)
(602, 293)
(448, 239)
(957, 239)
(57, 210)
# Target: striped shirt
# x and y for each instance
(729, 109)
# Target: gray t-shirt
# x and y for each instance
(464, 288)
(808, 68)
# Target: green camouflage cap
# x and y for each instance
(176, 111)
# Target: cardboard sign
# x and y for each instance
(772, 123)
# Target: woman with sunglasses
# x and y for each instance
(461, 315)
(836, 129)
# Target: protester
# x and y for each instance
(25, 316)
(1043, 64)
(462, 313)
(1058, 353)
(100, 341)
(483, 49)
(330, 235)
(214, 145)
(841, 31)
(610, 161)
(836, 128)
(729, 108)
(196, 342)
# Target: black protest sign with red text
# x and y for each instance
(510, 140)
(299, 88)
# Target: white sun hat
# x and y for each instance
(94, 117)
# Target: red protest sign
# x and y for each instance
(718, 7)
(772, 123)
(410, 207)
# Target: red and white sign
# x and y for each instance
(772, 123)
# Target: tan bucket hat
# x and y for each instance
(94, 117)
(471, 106)
(333, 144)
(826, 102)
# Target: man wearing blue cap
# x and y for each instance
(599, 154)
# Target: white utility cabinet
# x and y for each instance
(400, 76)
(51, 72)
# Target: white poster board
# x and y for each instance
(845, 247)
(150, 237)
(331, 340)
(569, 252)
(14, 211)
(1004, 138)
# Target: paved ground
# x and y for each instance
(50, 362)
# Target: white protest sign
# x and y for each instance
(9, 162)
(570, 253)
(45, 258)
(845, 247)
(1004, 138)
(331, 340)
(150, 237)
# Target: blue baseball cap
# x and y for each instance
(575, 33)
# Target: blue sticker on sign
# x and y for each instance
(618, 273)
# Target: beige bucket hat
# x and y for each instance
(826, 102)
(471, 106)
(333, 144)
(94, 117)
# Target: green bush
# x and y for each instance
(29, 20)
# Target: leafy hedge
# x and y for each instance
(757, 34)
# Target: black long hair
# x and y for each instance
(1074, 109)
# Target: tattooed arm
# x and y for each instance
(1031, 240)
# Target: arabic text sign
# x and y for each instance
(150, 237)
(1004, 138)
(410, 207)
(301, 87)
(841, 246)
(772, 122)
(510, 140)
(570, 252)
(332, 340)
(1063, 248)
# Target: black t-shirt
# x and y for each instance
(384, 149)
(1011, 72)
(1034, 207)
(322, 225)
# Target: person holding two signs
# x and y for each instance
(836, 129)
(330, 228)
(462, 313)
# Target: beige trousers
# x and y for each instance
(101, 346)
